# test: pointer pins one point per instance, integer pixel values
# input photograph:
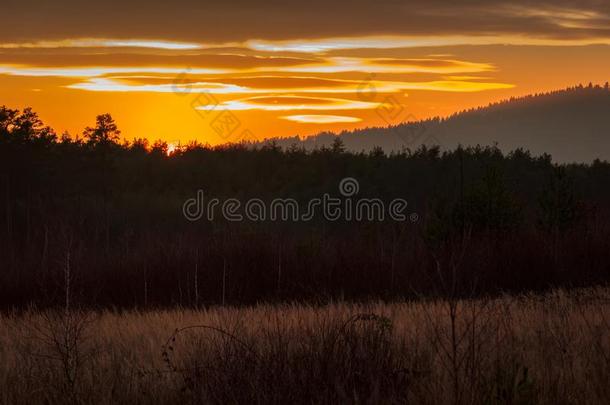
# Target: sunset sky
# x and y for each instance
(225, 71)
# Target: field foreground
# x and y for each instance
(551, 349)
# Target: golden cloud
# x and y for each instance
(321, 119)
(290, 103)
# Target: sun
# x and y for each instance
(172, 148)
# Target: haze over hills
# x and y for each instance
(572, 125)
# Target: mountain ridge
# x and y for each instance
(542, 123)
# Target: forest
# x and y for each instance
(568, 124)
(95, 220)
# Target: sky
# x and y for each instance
(217, 72)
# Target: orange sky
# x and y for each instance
(212, 88)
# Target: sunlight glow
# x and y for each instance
(325, 45)
(226, 87)
(173, 147)
(288, 86)
(99, 71)
(321, 119)
(329, 65)
(388, 65)
(109, 85)
(290, 103)
(103, 43)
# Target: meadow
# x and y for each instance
(551, 348)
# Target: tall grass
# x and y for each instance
(528, 349)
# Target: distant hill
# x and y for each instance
(572, 125)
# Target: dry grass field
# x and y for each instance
(529, 349)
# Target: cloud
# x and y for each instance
(321, 119)
(194, 21)
(86, 65)
(102, 43)
(327, 45)
(109, 57)
(389, 65)
(290, 103)
(270, 85)
(76, 72)
(109, 85)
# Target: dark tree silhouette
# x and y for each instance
(540, 123)
(104, 132)
(130, 245)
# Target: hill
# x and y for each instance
(572, 125)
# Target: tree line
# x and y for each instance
(565, 123)
(98, 220)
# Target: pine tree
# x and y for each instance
(105, 131)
